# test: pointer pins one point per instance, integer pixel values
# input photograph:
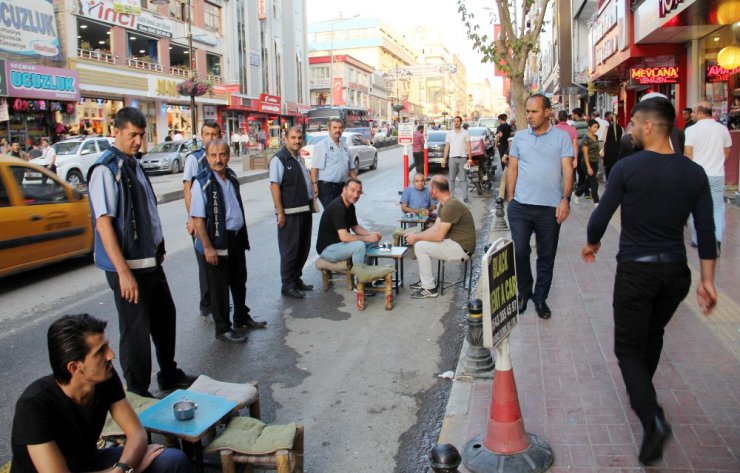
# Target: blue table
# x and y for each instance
(160, 418)
(397, 253)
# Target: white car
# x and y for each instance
(361, 151)
(75, 156)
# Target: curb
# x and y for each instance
(178, 194)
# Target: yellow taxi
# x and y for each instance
(42, 218)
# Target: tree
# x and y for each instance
(510, 51)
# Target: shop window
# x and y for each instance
(93, 39)
(142, 48)
(213, 64)
(211, 17)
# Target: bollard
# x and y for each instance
(405, 166)
(444, 458)
(500, 223)
(426, 160)
(477, 361)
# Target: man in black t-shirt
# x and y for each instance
(657, 189)
(59, 418)
(503, 132)
(340, 236)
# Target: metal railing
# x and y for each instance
(96, 55)
(176, 71)
(145, 65)
(215, 79)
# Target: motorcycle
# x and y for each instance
(480, 176)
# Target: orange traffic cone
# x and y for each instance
(506, 446)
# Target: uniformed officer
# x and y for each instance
(331, 165)
(292, 194)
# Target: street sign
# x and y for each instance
(405, 133)
(499, 292)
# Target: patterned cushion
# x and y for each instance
(249, 436)
(339, 266)
(399, 232)
(368, 273)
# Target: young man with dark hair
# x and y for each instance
(222, 240)
(656, 190)
(459, 152)
(129, 247)
(503, 132)
(59, 418)
(688, 117)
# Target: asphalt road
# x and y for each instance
(364, 383)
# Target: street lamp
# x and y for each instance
(191, 55)
(331, 61)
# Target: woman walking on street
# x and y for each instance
(611, 145)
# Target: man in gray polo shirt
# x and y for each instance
(331, 164)
(457, 148)
(538, 185)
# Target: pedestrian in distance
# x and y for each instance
(656, 189)
(688, 118)
(292, 194)
(538, 187)
(581, 126)
(590, 151)
(236, 142)
(49, 156)
(417, 149)
(196, 163)
(217, 210)
(708, 144)
(503, 132)
(340, 236)
(59, 418)
(130, 249)
(331, 165)
(457, 149)
(452, 237)
(572, 134)
(611, 143)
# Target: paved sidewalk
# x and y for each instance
(570, 388)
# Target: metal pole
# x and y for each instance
(194, 73)
(331, 68)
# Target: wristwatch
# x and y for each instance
(124, 467)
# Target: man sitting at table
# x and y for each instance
(452, 237)
(59, 418)
(416, 197)
(340, 236)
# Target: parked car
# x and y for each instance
(44, 219)
(381, 138)
(361, 151)
(436, 147)
(166, 157)
(481, 141)
(489, 122)
(75, 156)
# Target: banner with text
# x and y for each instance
(498, 292)
(29, 28)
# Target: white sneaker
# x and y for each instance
(576, 199)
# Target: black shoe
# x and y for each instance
(522, 304)
(144, 393)
(231, 337)
(543, 311)
(656, 436)
(293, 292)
(251, 323)
(179, 380)
(206, 317)
(303, 286)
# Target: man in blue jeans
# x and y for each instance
(538, 186)
(340, 236)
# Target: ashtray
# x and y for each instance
(184, 410)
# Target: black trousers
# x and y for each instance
(294, 243)
(418, 162)
(592, 183)
(230, 274)
(205, 298)
(154, 316)
(645, 297)
(329, 191)
(582, 175)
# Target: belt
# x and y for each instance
(657, 258)
(297, 210)
(330, 182)
(232, 233)
(461, 157)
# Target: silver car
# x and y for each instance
(166, 157)
(361, 151)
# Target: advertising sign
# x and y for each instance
(405, 133)
(498, 292)
(41, 82)
(717, 73)
(336, 90)
(146, 22)
(29, 28)
(654, 75)
(3, 79)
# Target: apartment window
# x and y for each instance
(323, 36)
(211, 17)
(177, 10)
(320, 72)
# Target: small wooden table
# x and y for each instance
(397, 253)
(160, 418)
(413, 221)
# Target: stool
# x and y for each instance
(399, 234)
(365, 274)
(467, 263)
(243, 394)
(255, 444)
(111, 431)
(342, 267)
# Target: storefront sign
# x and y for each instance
(202, 36)
(209, 112)
(146, 22)
(273, 99)
(654, 75)
(606, 21)
(254, 57)
(606, 48)
(3, 79)
(261, 10)
(132, 7)
(717, 73)
(667, 6)
(41, 82)
(29, 28)
(266, 107)
(499, 292)
(319, 83)
(165, 88)
(294, 108)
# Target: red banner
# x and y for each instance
(336, 91)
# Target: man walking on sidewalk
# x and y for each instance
(657, 189)
(538, 186)
(457, 148)
(708, 143)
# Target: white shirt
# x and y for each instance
(709, 138)
(177, 137)
(235, 138)
(48, 155)
(603, 128)
(458, 143)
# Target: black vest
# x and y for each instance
(216, 212)
(293, 189)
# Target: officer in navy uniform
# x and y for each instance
(195, 162)
(292, 193)
(129, 247)
(218, 215)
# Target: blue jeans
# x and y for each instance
(717, 187)
(169, 461)
(343, 251)
(523, 220)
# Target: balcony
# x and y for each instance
(145, 65)
(177, 71)
(213, 79)
(96, 55)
